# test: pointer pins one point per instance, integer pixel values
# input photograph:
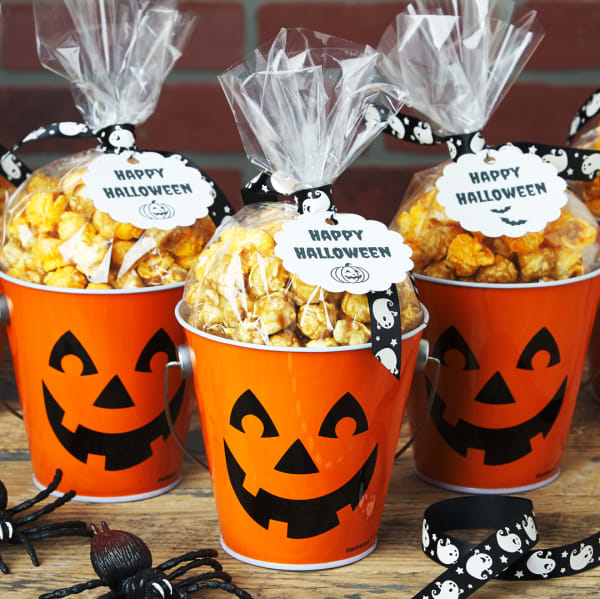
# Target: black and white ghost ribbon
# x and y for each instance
(120, 138)
(589, 109)
(570, 163)
(12, 168)
(384, 306)
(506, 554)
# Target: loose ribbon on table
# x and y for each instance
(506, 554)
(11, 168)
(571, 163)
(385, 342)
(119, 138)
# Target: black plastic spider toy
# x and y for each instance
(124, 564)
(10, 526)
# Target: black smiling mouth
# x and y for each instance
(305, 517)
(501, 445)
(121, 450)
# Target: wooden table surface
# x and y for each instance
(185, 519)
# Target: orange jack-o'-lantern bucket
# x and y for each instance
(300, 444)
(89, 369)
(512, 358)
(594, 358)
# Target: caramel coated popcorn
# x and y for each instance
(567, 247)
(55, 236)
(239, 289)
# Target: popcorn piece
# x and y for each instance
(130, 280)
(569, 263)
(276, 312)
(411, 316)
(251, 331)
(325, 342)
(351, 332)
(356, 306)
(502, 271)
(433, 245)
(524, 244)
(317, 320)
(67, 276)
(466, 254)
(284, 339)
(155, 267)
(538, 265)
(71, 223)
(98, 286)
(569, 231)
(440, 270)
(43, 210)
(267, 275)
(46, 256)
(120, 249)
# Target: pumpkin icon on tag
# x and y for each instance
(349, 274)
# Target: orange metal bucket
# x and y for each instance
(89, 369)
(512, 357)
(300, 444)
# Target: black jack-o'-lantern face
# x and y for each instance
(124, 449)
(503, 441)
(305, 517)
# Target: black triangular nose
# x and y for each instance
(296, 460)
(114, 396)
(495, 392)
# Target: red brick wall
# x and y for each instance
(192, 115)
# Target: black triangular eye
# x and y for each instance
(69, 345)
(247, 404)
(452, 339)
(541, 341)
(345, 407)
(159, 343)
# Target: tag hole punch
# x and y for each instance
(331, 221)
(133, 160)
(489, 159)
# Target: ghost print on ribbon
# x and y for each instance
(11, 168)
(506, 554)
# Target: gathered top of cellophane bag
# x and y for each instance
(116, 55)
(299, 103)
(458, 62)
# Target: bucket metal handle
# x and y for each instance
(423, 359)
(5, 320)
(184, 363)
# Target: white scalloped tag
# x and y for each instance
(501, 192)
(354, 255)
(148, 190)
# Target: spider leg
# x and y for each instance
(58, 529)
(224, 576)
(215, 584)
(197, 563)
(39, 497)
(188, 557)
(3, 567)
(46, 509)
(21, 538)
(76, 588)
